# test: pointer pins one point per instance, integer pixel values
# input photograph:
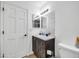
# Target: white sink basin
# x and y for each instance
(43, 37)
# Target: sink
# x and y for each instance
(44, 34)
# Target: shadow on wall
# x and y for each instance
(57, 55)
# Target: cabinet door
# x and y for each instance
(50, 45)
(42, 50)
(37, 46)
(34, 48)
(33, 43)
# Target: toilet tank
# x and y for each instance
(67, 51)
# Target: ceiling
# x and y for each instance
(31, 5)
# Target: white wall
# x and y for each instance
(67, 22)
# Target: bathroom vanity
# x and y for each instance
(43, 44)
(40, 45)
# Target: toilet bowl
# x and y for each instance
(68, 51)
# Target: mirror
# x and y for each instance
(43, 22)
(36, 23)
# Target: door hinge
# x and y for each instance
(3, 32)
(3, 9)
(3, 55)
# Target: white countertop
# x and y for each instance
(43, 37)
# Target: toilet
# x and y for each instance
(68, 51)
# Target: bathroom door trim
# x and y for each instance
(2, 28)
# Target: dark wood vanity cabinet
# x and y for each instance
(40, 47)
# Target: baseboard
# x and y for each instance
(30, 53)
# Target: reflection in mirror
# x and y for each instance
(36, 23)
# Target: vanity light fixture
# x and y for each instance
(36, 16)
(44, 11)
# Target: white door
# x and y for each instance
(15, 31)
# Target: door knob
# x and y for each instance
(25, 35)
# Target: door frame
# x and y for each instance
(2, 36)
(2, 25)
